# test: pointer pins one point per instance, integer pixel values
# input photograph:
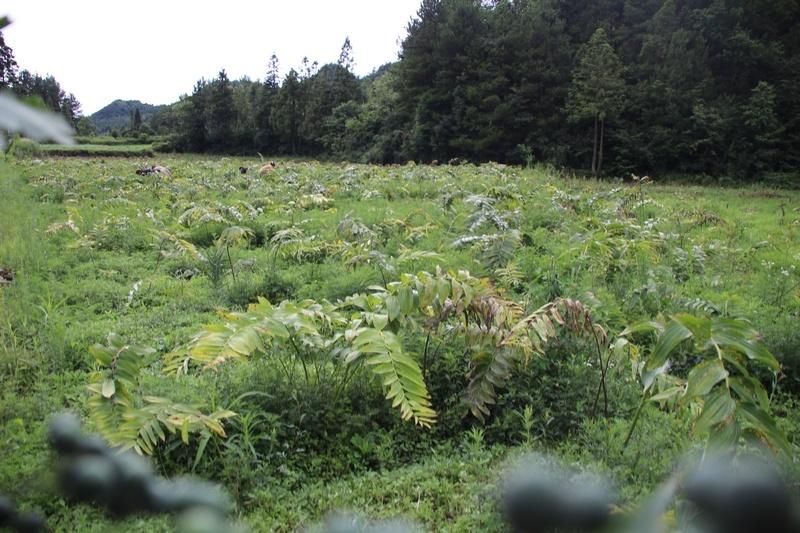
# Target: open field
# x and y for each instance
(96, 249)
(97, 150)
(108, 140)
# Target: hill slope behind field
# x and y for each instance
(116, 115)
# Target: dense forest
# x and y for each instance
(659, 86)
(613, 86)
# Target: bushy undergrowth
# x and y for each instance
(95, 249)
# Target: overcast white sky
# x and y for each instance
(154, 51)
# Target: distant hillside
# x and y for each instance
(117, 114)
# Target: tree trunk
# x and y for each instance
(594, 149)
(600, 155)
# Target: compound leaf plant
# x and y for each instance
(723, 392)
(130, 420)
(368, 328)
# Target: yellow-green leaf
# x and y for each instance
(109, 388)
(716, 409)
(764, 424)
(185, 431)
(704, 376)
(673, 335)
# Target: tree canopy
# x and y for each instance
(658, 86)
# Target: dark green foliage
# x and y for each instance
(265, 134)
(597, 91)
(194, 130)
(8, 65)
(329, 88)
(286, 114)
(654, 87)
(220, 113)
(50, 91)
(136, 123)
(85, 126)
(117, 115)
(128, 149)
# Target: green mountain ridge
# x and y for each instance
(117, 114)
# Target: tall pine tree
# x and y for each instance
(346, 60)
(287, 112)
(266, 138)
(220, 113)
(194, 120)
(597, 91)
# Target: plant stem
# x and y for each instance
(425, 357)
(635, 419)
(300, 356)
(340, 388)
(230, 261)
(289, 374)
(383, 277)
(602, 384)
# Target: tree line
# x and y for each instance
(610, 86)
(659, 86)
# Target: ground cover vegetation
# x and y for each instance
(96, 150)
(387, 339)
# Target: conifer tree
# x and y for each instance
(194, 119)
(597, 91)
(220, 113)
(266, 137)
(271, 80)
(287, 112)
(346, 56)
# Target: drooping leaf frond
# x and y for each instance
(233, 235)
(491, 367)
(132, 422)
(177, 246)
(361, 329)
(260, 328)
(725, 395)
(401, 377)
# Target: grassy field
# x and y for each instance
(96, 249)
(108, 140)
(98, 150)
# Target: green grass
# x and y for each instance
(630, 254)
(98, 150)
(108, 140)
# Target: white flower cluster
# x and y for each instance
(785, 271)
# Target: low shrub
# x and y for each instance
(21, 148)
